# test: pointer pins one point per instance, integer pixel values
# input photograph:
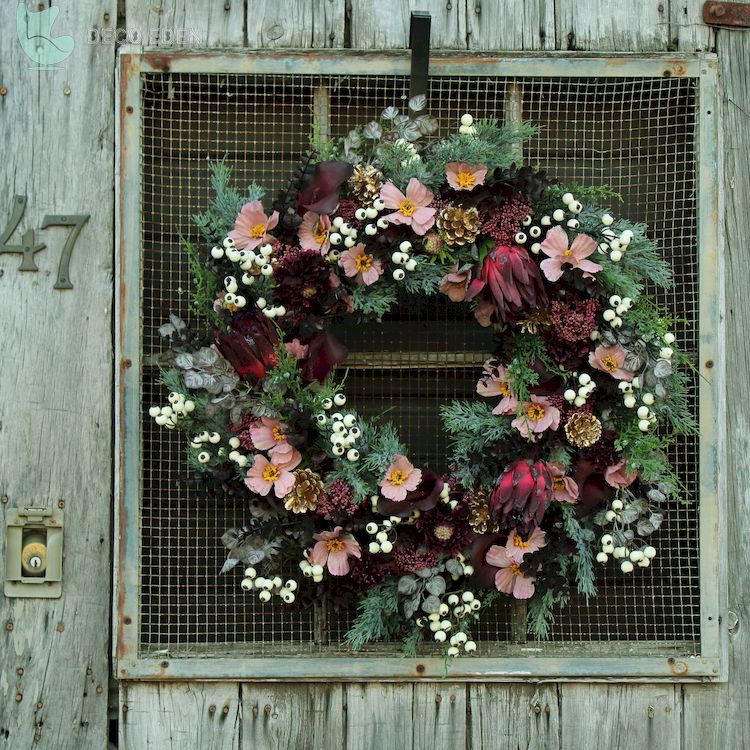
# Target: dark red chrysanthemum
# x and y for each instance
(303, 281)
(446, 529)
(369, 570)
(521, 495)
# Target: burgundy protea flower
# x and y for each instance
(249, 344)
(511, 284)
(304, 282)
(322, 194)
(521, 495)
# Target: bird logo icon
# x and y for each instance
(35, 35)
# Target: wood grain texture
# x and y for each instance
(296, 717)
(56, 379)
(220, 23)
(621, 26)
(303, 24)
(717, 715)
(510, 25)
(439, 711)
(385, 24)
(688, 33)
(516, 715)
(379, 715)
(620, 716)
(176, 716)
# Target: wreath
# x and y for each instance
(559, 463)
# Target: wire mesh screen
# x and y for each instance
(637, 136)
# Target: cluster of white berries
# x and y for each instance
(204, 441)
(618, 306)
(641, 557)
(311, 571)
(168, 416)
(402, 257)
(270, 311)
(384, 533)
(615, 244)
(565, 216)
(646, 417)
(269, 586)
(246, 259)
(445, 496)
(344, 430)
(234, 455)
(466, 569)
(666, 352)
(462, 604)
(586, 387)
(231, 299)
(467, 125)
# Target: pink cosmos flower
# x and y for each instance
(268, 434)
(610, 359)
(333, 549)
(555, 245)
(360, 265)
(564, 488)
(251, 226)
(400, 477)
(284, 454)
(263, 475)
(497, 382)
(313, 232)
(296, 348)
(517, 546)
(617, 476)
(412, 208)
(455, 284)
(538, 415)
(510, 579)
(463, 176)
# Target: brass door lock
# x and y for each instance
(33, 552)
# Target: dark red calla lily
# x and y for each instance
(424, 497)
(324, 353)
(322, 195)
(484, 573)
(521, 495)
(593, 490)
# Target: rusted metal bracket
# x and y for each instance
(736, 15)
(419, 42)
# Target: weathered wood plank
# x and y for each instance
(688, 33)
(55, 384)
(303, 24)
(625, 27)
(173, 23)
(176, 716)
(717, 716)
(643, 716)
(510, 25)
(439, 711)
(506, 717)
(385, 24)
(379, 715)
(296, 717)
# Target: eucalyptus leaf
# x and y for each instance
(431, 604)
(427, 124)
(618, 538)
(418, 103)
(656, 496)
(178, 323)
(629, 535)
(407, 585)
(656, 519)
(193, 379)
(645, 527)
(411, 131)
(184, 360)
(206, 357)
(424, 573)
(410, 607)
(629, 514)
(167, 329)
(372, 130)
(662, 368)
(389, 113)
(454, 567)
(436, 585)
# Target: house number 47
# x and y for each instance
(29, 248)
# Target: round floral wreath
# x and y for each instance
(561, 462)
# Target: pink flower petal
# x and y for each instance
(338, 563)
(555, 242)
(552, 268)
(523, 588)
(391, 196)
(505, 580)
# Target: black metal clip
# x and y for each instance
(419, 43)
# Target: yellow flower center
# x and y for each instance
(567, 253)
(231, 307)
(609, 363)
(309, 291)
(465, 179)
(258, 231)
(515, 568)
(519, 542)
(320, 235)
(406, 207)
(278, 435)
(504, 390)
(398, 477)
(335, 545)
(363, 262)
(535, 412)
(558, 483)
(443, 532)
(271, 473)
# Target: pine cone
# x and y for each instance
(479, 513)
(365, 184)
(583, 429)
(306, 493)
(460, 225)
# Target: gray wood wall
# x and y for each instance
(56, 369)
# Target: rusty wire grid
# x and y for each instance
(637, 135)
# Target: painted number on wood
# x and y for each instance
(29, 247)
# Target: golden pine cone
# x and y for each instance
(307, 491)
(583, 429)
(365, 184)
(459, 225)
(479, 513)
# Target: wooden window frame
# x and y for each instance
(633, 663)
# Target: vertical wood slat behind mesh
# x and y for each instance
(636, 135)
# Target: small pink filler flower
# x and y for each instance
(333, 549)
(610, 359)
(361, 266)
(412, 208)
(263, 475)
(564, 489)
(400, 477)
(517, 546)
(463, 176)
(538, 415)
(313, 232)
(251, 226)
(555, 245)
(497, 382)
(510, 579)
